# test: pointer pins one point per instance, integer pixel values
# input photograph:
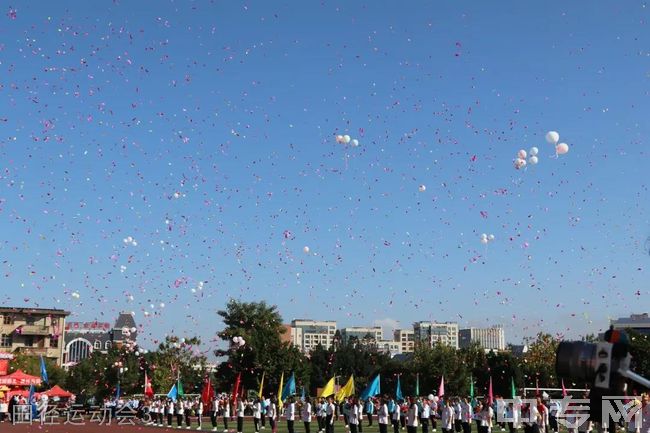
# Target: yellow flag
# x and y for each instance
(280, 390)
(346, 391)
(259, 394)
(328, 390)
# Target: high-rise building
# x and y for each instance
(33, 331)
(81, 339)
(431, 333)
(390, 347)
(406, 340)
(488, 338)
(307, 334)
(637, 322)
(361, 334)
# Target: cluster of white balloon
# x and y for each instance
(76, 295)
(130, 241)
(485, 238)
(520, 161)
(553, 137)
(346, 139)
(238, 342)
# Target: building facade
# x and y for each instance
(390, 347)
(638, 322)
(33, 331)
(82, 339)
(361, 334)
(406, 340)
(488, 338)
(432, 333)
(307, 334)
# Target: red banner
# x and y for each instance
(4, 367)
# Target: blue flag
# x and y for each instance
(289, 387)
(43, 370)
(302, 397)
(398, 391)
(31, 399)
(117, 392)
(373, 389)
(173, 393)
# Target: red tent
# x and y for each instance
(19, 378)
(57, 391)
(21, 393)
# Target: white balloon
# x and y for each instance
(522, 154)
(235, 339)
(162, 305)
(533, 160)
(339, 139)
(520, 163)
(305, 249)
(491, 237)
(430, 396)
(355, 143)
(346, 139)
(562, 148)
(484, 236)
(484, 241)
(552, 137)
(242, 342)
(422, 188)
(533, 151)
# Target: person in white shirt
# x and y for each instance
(169, 409)
(257, 414)
(187, 409)
(447, 417)
(412, 416)
(271, 413)
(434, 414)
(425, 416)
(458, 416)
(214, 412)
(394, 410)
(306, 414)
(239, 411)
(554, 409)
(360, 410)
(512, 418)
(353, 416)
(290, 414)
(466, 415)
(382, 415)
(41, 408)
(225, 412)
(321, 414)
(330, 413)
(487, 414)
(199, 412)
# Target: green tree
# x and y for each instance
(176, 357)
(32, 365)
(539, 361)
(261, 327)
(640, 351)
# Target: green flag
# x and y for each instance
(513, 391)
(179, 388)
(417, 384)
(471, 388)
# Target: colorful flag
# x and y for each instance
(471, 387)
(441, 388)
(346, 391)
(329, 388)
(513, 390)
(398, 390)
(179, 388)
(280, 389)
(261, 391)
(148, 389)
(490, 395)
(564, 392)
(43, 370)
(207, 393)
(417, 384)
(289, 387)
(173, 393)
(373, 389)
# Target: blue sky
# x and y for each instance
(206, 132)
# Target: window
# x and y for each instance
(30, 320)
(98, 344)
(8, 320)
(54, 342)
(5, 340)
(107, 345)
(29, 340)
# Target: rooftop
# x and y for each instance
(27, 310)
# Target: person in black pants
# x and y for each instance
(179, 413)
(382, 415)
(330, 413)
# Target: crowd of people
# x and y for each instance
(413, 414)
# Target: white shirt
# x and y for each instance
(306, 412)
(353, 416)
(426, 411)
(240, 409)
(458, 412)
(257, 410)
(382, 414)
(448, 417)
(215, 405)
(466, 412)
(329, 411)
(226, 408)
(290, 415)
(412, 416)
(486, 417)
(270, 411)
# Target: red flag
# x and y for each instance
(564, 393)
(148, 389)
(490, 395)
(235, 391)
(207, 394)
